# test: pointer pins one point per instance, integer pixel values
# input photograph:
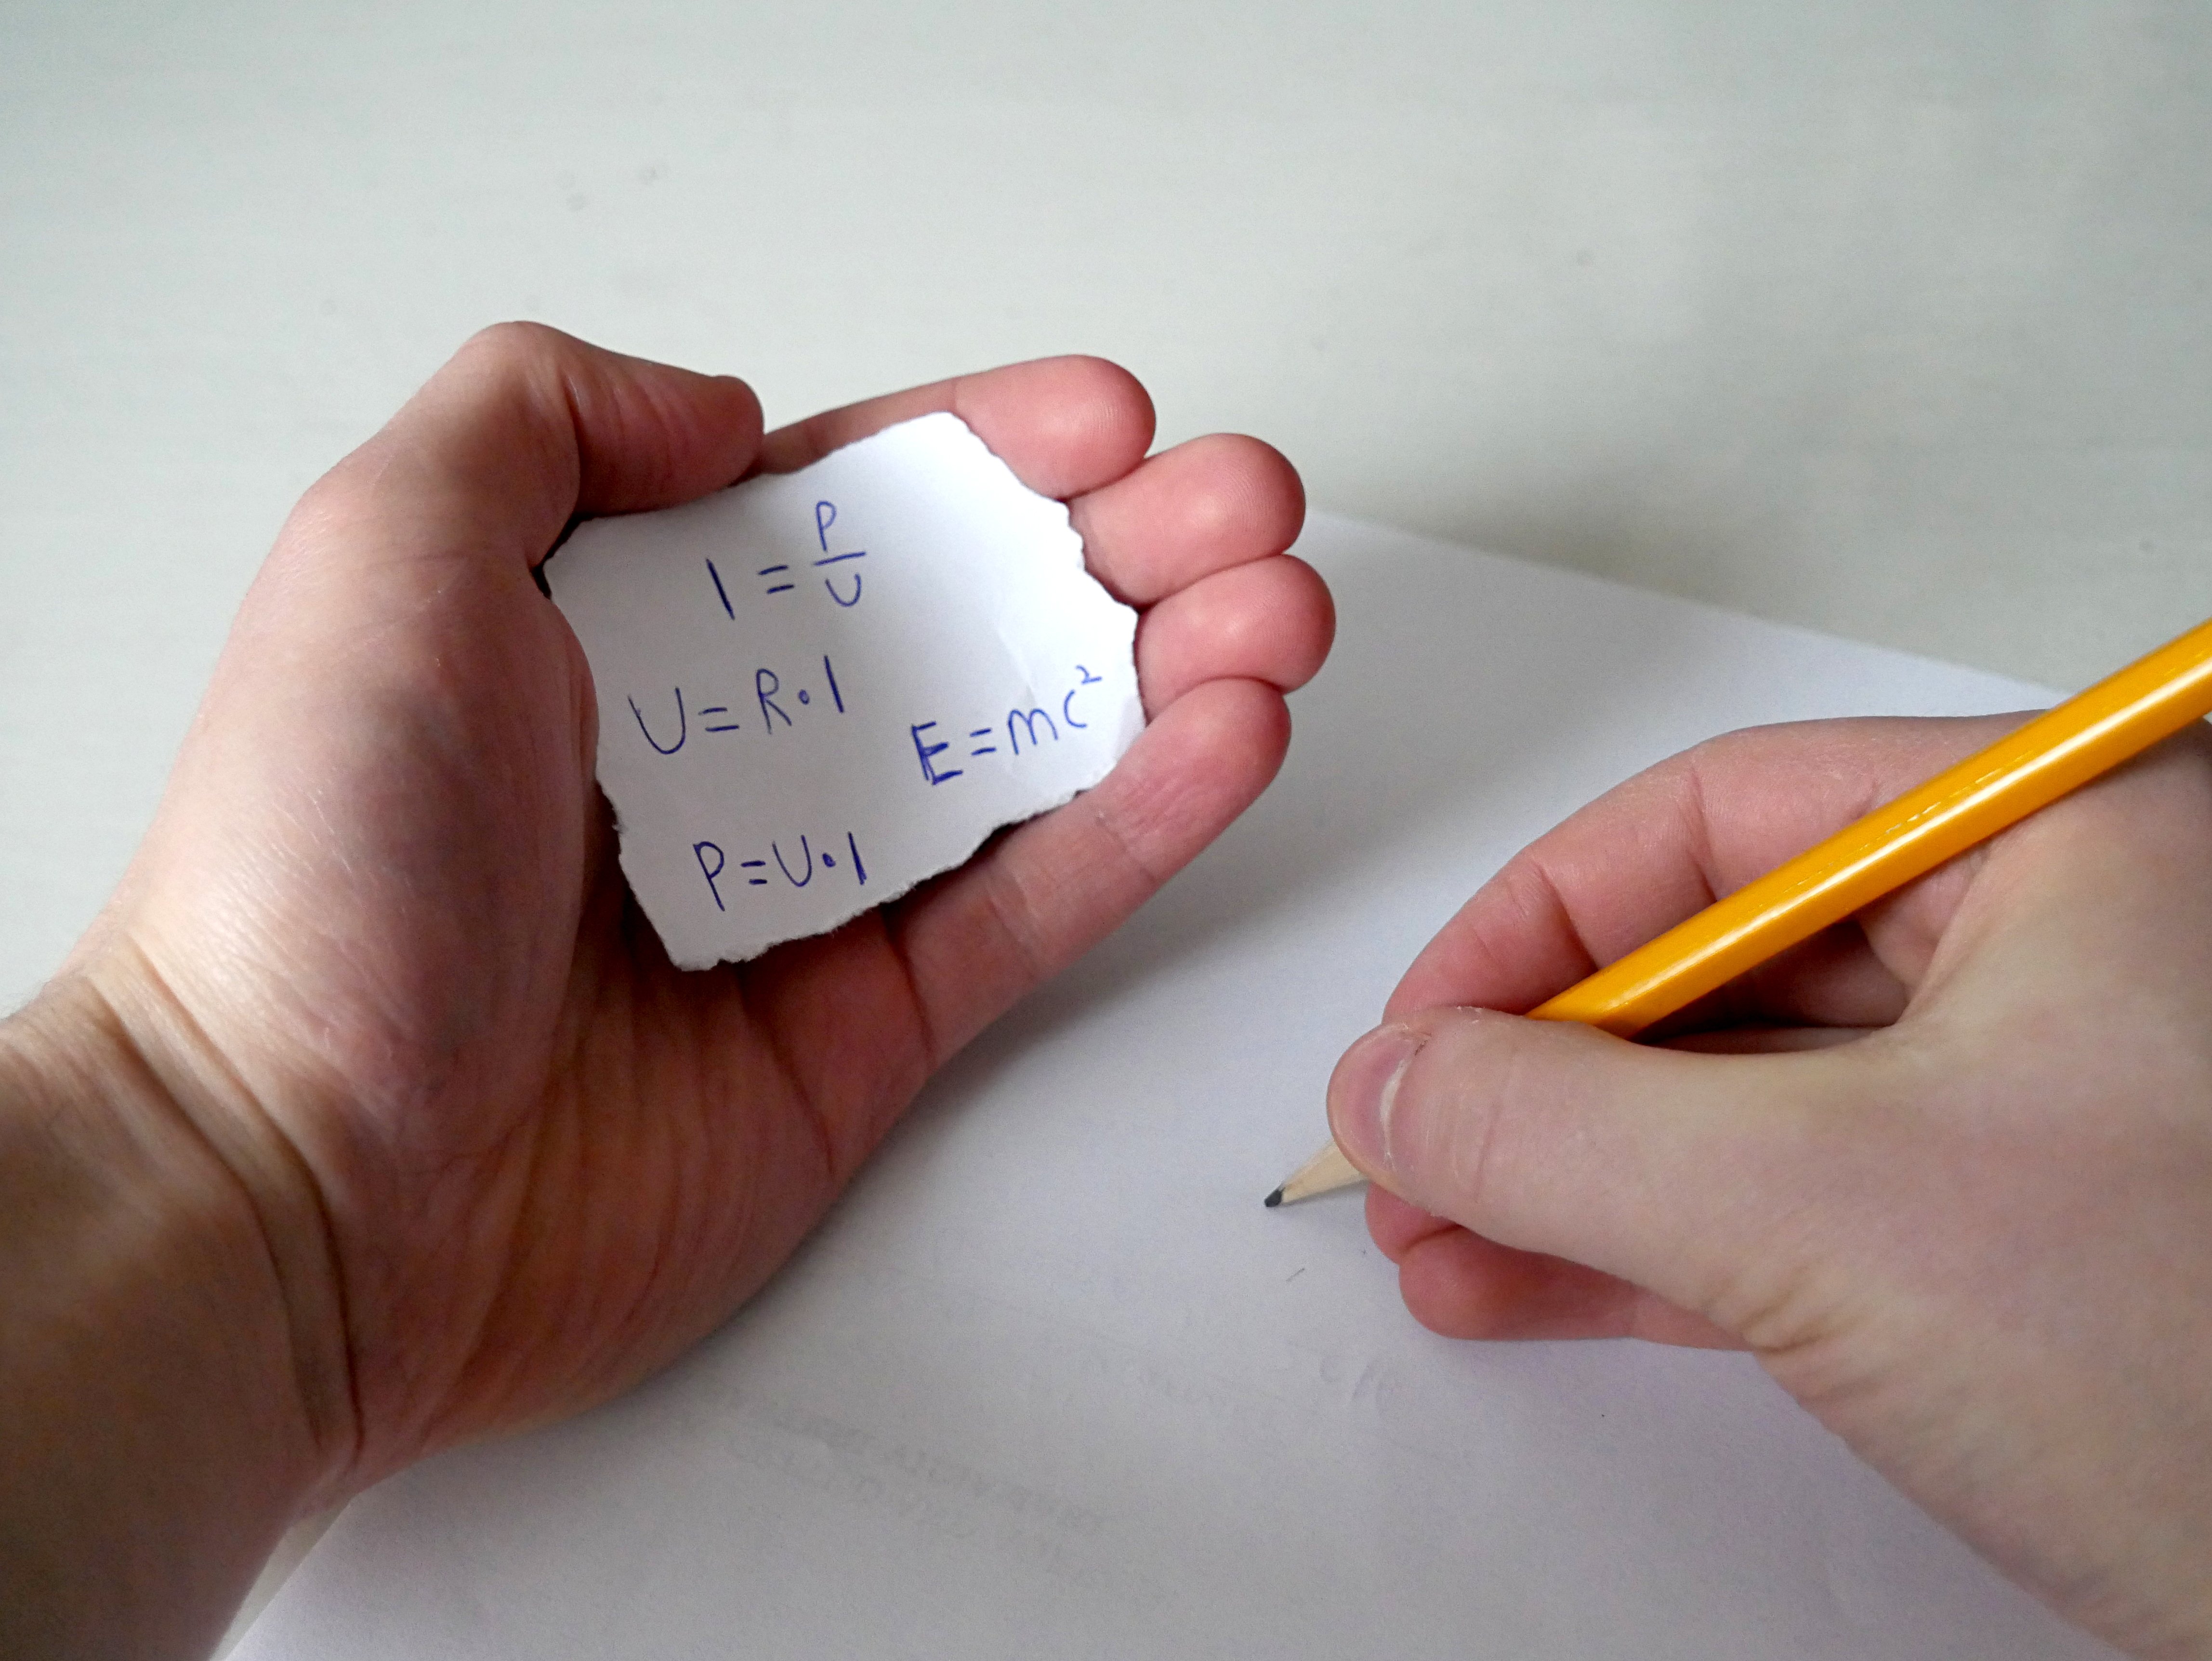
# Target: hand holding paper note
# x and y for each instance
(418, 1133)
(816, 689)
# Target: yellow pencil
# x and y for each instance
(2027, 768)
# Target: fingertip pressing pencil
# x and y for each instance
(2028, 769)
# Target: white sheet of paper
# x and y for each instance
(816, 689)
(1051, 1382)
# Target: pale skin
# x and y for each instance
(1947, 1170)
(370, 1119)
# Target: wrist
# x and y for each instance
(164, 1409)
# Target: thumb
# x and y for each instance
(527, 427)
(1693, 1176)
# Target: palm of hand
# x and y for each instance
(380, 930)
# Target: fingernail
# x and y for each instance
(1364, 1089)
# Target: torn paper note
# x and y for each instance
(819, 688)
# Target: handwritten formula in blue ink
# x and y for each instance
(816, 689)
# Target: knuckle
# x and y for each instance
(514, 342)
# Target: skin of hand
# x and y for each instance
(370, 1116)
(1946, 1169)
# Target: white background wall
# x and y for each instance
(1889, 319)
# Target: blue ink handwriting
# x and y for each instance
(1033, 727)
(925, 751)
(664, 748)
(776, 704)
(825, 515)
(714, 862)
(1065, 714)
(776, 579)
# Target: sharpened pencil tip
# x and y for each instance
(1275, 1199)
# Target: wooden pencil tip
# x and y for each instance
(1275, 1199)
(1327, 1169)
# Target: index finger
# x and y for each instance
(1670, 841)
(1064, 425)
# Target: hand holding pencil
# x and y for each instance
(1944, 1166)
(1907, 837)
